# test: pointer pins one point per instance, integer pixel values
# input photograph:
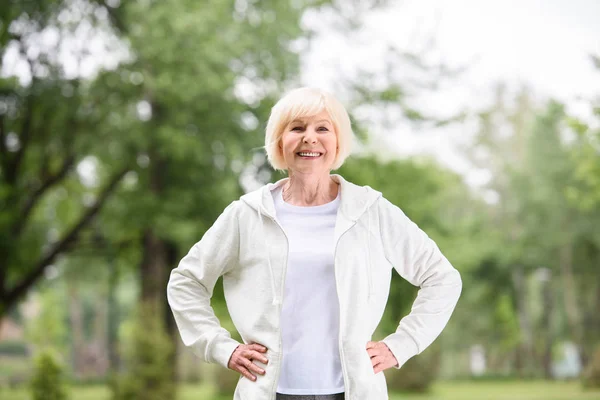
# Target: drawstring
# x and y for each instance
(276, 300)
(369, 252)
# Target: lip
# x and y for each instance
(308, 157)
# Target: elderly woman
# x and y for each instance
(306, 265)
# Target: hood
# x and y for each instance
(355, 200)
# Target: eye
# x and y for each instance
(323, 128)
(296, 128)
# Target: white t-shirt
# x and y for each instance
(310, 309)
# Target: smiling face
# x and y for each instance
(309, 144)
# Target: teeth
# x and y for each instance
(310, 154)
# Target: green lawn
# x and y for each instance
(442, 391)
(540, 390)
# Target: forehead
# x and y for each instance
(322, 116)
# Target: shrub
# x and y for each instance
(147, 356)
(591, 375)
(48, 381)
(417, 374)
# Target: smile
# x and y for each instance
(309, 154)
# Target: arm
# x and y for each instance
(418, 260)
(191, 286)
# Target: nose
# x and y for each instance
(310, 136)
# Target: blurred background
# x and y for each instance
(127, 126)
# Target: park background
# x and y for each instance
(127, 126)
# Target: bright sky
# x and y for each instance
(543, 43)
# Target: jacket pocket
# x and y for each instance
(376, 381)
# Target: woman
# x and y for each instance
(306, 265)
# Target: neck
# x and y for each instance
(309, 189)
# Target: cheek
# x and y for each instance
(287, 145)
(332, 145)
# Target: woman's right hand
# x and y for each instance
(241, 360)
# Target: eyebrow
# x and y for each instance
(302, 122)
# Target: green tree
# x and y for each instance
(542, 243)
(583, 194)
(46, 131)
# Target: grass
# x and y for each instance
(502, 390)
(512, 390)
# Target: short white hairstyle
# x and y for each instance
(306, 102)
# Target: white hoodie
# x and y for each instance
(248, 247)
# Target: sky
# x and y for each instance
(544, 44)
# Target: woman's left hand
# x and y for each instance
(381, 356)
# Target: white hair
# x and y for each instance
(306, 102)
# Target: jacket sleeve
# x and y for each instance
(418, 260)
(191, 286)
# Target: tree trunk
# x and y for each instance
(596, 315)
(570, 297)
(113, 317)
(159, 258)
(98, 347)
(152, 272)
(170, 325)
(155, 271)
(548, 308)
(525, 351)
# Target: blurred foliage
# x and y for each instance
(418, 373)
(225, 381)
(147, 350)
(47, 327)
(104, 176)
(48, 381)
(445, 390)
(43, 140)
(14, 348)
(591, 376)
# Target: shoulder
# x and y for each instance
(385, 204)
(391, 214)
(231, 212)
(253, 196)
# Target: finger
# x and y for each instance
(254, 368)
(382, 366)
(259, 357)
(257, 347)
(378, 368)
(246, 373)
(376, 360)
(374, 352)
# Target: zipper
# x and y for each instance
(342, 359)
(368, 263)
(283, 276)
(341, 348)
